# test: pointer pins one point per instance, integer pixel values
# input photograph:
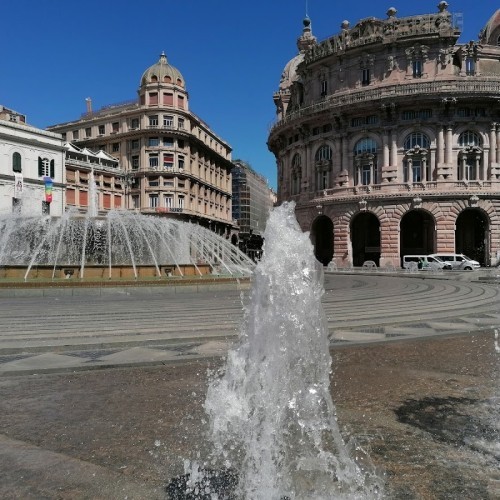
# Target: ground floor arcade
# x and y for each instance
(350, 233)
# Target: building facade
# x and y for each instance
(388, 139)
(175, 165)
(31, 167)
(251, 203)
(95, 183)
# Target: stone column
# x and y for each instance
(493, 144)
(433, 167)
(440, 145)
(497, 156)
(394, 150)
(345, 159)
(449, 145)
(385, 149)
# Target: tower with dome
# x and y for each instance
(175, 165)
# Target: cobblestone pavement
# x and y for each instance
(59, 331)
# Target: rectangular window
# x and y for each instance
(180, 162)
(106, 200)
(153, 142)
(365, 175)
(135, 162)
(168, 142)
(168, 121)
(153, 201)
(153, 161)
(169, 201)
(470, 66)
(135, 144)
(115, 127)
(101, 130)
(372, 119)
(416, 171)
(153, 182)
(70, 196)
(153, 98)
(417, 68)
(315, 131)
(135, 201)
(180, 201)
(365, 77)
(324, 87)
(180, 143)
(115, 147)
(153, 121)
(134, 123)
(168, 160)
(180, 102)
(358, 121)
(75, 135)
(180, 123)
(88, 132)
(168, 99)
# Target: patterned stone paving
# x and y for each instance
(77, 333)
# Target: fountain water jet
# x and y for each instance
(120, 239)
(271, 415)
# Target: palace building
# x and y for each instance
(173, 164)
(388, 139)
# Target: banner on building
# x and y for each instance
(48, 189)
(18, 185)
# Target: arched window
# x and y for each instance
(16, 162)
(416, 165)
(365, 145)
(323, 153)
(469, 138)
(470, 156)
(296, 173)
(365, 161)
(416, 139)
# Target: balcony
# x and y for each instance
(478, 87)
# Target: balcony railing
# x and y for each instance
(441, 88)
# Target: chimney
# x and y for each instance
(88, 100)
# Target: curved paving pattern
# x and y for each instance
(64, 332)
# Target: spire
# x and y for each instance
(307, 39)
(163, 58)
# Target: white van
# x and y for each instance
(458, 261)
(425, 262)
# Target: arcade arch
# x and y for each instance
(365, 238)
(417, 233)
(322, 239)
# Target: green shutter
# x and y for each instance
(16, 162)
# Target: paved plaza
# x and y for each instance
(57, 329)
(103, 389)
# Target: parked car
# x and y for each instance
(458, 261)
(425, 262)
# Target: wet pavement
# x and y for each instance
(424, 407)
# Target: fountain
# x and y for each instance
(272, 419)
(120, 244)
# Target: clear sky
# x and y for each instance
(55, 53)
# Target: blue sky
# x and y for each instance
(55, 53)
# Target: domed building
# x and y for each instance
(388, 139)
(175, 165)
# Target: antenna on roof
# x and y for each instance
(307, 14)
(88, 100)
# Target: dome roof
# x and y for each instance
(491, 31)
(304, 42)
(162, 72)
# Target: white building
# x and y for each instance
(31, 167)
